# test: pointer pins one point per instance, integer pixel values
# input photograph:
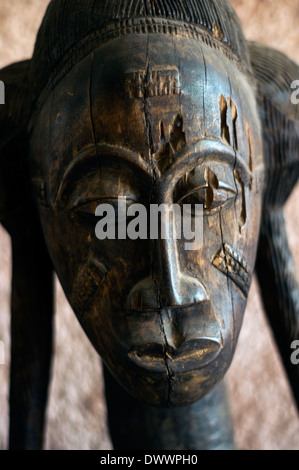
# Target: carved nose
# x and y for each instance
(167, 286)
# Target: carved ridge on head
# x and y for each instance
(280, 121)
(77, 33)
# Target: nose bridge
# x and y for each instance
(167, 285)
(165, 266)
(175, 286)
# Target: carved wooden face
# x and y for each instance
(154, 120)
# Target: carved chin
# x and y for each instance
(167, 357)
(166, 377)
(171, 388)
(182, 376)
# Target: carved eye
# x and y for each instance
(109, 185)
(201, 186)
(88, 208)
(211, 199)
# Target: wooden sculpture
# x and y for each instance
(149, 102)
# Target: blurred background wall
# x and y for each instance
(264, 414)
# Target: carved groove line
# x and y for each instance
(118, 29)
(230, 263)
(280, 153)
(87, 285)
(160, 83)
(167, 150)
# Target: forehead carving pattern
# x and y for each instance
(120, 28)
(79, 32)
(157, 81)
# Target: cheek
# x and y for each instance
(236, 260)
(81, 260)
(68, 244)
(225, 262)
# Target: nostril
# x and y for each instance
(187, 291)
(148, 295)
(191, 290)
(144, 296)
(136, 301)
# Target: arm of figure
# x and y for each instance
(32, 273)
(275, 265)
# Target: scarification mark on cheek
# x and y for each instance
(231, 263)
(86, 285)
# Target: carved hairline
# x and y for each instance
(120, 28)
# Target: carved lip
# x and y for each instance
(191, 355)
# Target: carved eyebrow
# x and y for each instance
(190, 156)
(205, 149)
(90, 156)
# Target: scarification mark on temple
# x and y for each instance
(225, 133)
(234, 122)
(243, 214)
(230, 137)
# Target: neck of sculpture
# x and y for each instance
(204, 425)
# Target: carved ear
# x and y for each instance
(32, 283)
(275, 267)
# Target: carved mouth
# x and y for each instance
(175, 340)
(193, 354)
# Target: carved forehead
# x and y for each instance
(123, 93)
(155, 79)
(69, 32)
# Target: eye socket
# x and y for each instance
(211, 199)
(88, 208)
(202, 187)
